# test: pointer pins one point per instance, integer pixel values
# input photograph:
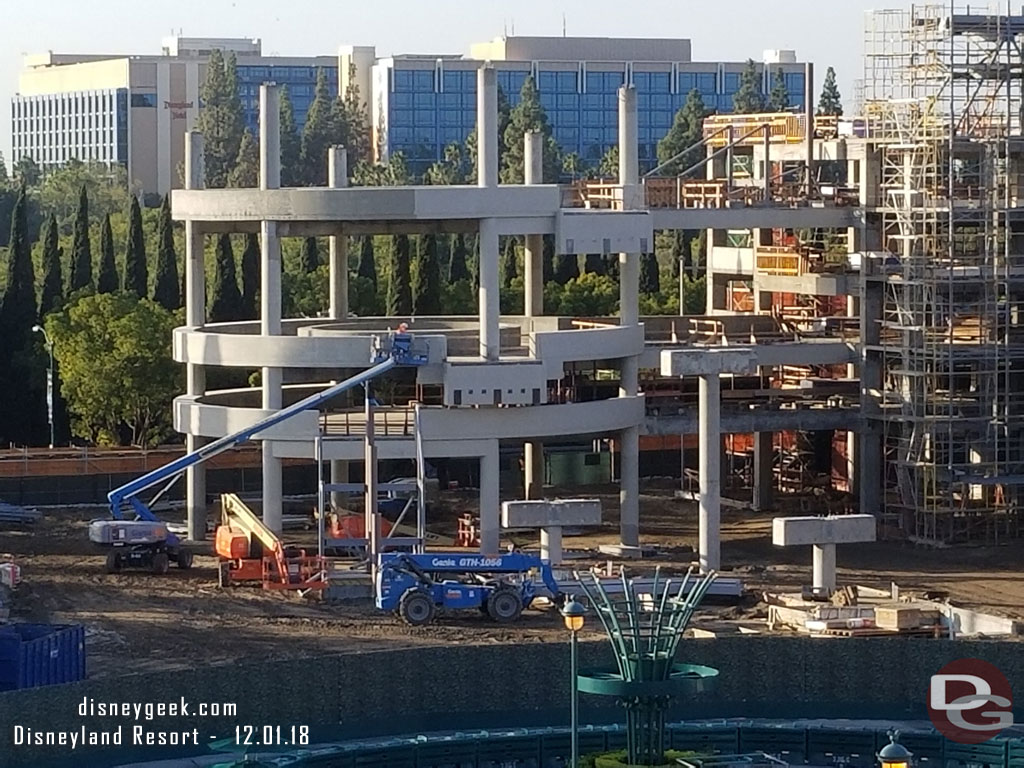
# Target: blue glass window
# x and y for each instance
(423, 80)
(403, 79)
(143, 99)
(732, 82)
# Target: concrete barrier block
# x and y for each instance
(550, 513)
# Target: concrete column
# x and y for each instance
(852, 470)
(371, 520)
(487, 127)
(551, 544)
(629, 314)
(337, 176)
(533, 469)
(534, 256)
(824, 566)
(490, 501)
(490, 291)
(339, 474)
(809, 122)
(764, 478)
(270, 293)
(871, 454)
(710, 438)
(195, 317)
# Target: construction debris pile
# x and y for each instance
(854, 611)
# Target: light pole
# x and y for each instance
(894, 754)
(573, 614)
(49, 379)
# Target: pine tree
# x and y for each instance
(458, 269)
(528, 115)
(135, 277)
(778, 99)
(504, 115)
(246, 173)
(593, 264)
(225, 302)
(367, 266)
(3, 171)
(18, 419)
(165, 284)
(830, 102)
(220, 118)
(748, 99)
(507, 268)
(291, 144)
(81, 251)
(650, 278)
(566, 268)
(309, 256)
(426, 288)
(318, 133)
(250, 277)
(106, 277)
(611, 265)
(52, 295)
(399, 296)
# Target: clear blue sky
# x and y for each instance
(827, 32)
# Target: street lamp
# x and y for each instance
(573, 614)
(49, 378)
(894, 754)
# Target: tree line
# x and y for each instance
(103, 274)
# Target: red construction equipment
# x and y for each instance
(468, 534)
(251, 552)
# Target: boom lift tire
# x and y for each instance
(416, 608)
(161, 563)
(504, 605)
(185, 559)
(113, 563)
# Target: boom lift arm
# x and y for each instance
(400, 352)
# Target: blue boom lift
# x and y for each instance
(397, 349)
(415, 586)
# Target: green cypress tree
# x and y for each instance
(830, 102)
(679, 146)
(309, 256)
(611, 265)
(748, 99)
(426, 289)
(367, 266)
(778, 99)
(317, 133)
(291, 144)
(224, 302)
(3, 171)
(19, 421)
(52, 294)
(458, 269)
(250, 277)
(549, 258)
(357, 121)
(106, 277)
(594, 264)
(528, 115)
(220, 118)
(81, 250)
(165, 284)
(135, 277)
(566, 268)
(507, 267)
(399, 296)
(650, 277)
(246, 173)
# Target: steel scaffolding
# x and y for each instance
(943, 98)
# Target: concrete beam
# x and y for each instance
(843, 284)
(759, 217)
(750, 420)
(708, 361)
(700, 361)
(546, 513)
(830, 529)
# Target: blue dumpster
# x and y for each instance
(32, 655)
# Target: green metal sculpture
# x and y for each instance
(644, 625)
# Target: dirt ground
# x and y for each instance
(137, 621)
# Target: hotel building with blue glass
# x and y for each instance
(422, 103)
